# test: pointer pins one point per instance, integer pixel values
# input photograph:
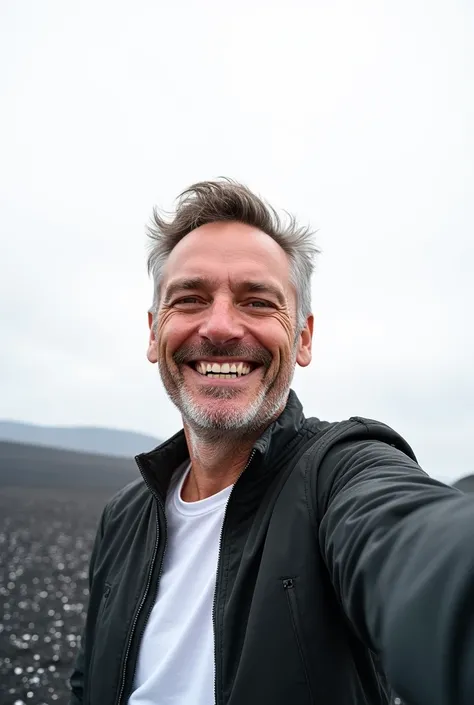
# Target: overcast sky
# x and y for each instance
(356, 116)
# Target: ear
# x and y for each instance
(152, 352)
(303, 351)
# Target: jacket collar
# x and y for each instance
(158, 465)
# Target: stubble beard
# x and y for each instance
(217, 425)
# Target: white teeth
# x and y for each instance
(224, 371)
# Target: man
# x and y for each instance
(265, 558)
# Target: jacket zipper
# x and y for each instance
(145, 594)
(290, 589)
(251, 457)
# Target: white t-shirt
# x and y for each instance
(176, 657)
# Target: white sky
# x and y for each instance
(356, 116)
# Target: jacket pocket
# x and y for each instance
(289, 585)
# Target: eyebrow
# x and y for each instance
(264, 288)
(190, 284)
(250, 286)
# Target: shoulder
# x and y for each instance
(371, 465)
(357, 450)
(352, 431)
(130, 498)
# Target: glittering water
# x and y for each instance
(45, 542)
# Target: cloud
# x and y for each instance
(355, 117)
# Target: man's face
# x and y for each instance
(224, 335)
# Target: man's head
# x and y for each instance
(231, 314)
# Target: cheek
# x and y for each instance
(171, 332)
(277, 334)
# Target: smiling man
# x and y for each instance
(224, 333)
(263, 557)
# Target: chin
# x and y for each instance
(221, 415)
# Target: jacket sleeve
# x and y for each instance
(399, 548)
(76, 679)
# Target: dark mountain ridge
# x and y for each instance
(30, 466)
(466, 484)
(89, 439)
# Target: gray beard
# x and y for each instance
(216, 428)
(213, 427)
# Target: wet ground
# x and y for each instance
(45, 541)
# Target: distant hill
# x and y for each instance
(466, 484)
(81, 438)
(30, 466)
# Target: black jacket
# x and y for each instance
(337, 552)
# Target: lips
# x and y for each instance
(222, 362)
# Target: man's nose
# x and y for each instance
(221, 324)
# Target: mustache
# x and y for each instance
(190, 353)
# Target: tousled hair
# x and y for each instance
(227, 200)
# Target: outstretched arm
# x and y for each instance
(399, 547)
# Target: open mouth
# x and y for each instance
(223, 370)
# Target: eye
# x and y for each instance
(188, 301)
(260, 304)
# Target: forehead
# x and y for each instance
(227, 251)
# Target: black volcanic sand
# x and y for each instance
(46, 538)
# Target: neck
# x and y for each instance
(215, 464)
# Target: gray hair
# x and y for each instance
(226, 200)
